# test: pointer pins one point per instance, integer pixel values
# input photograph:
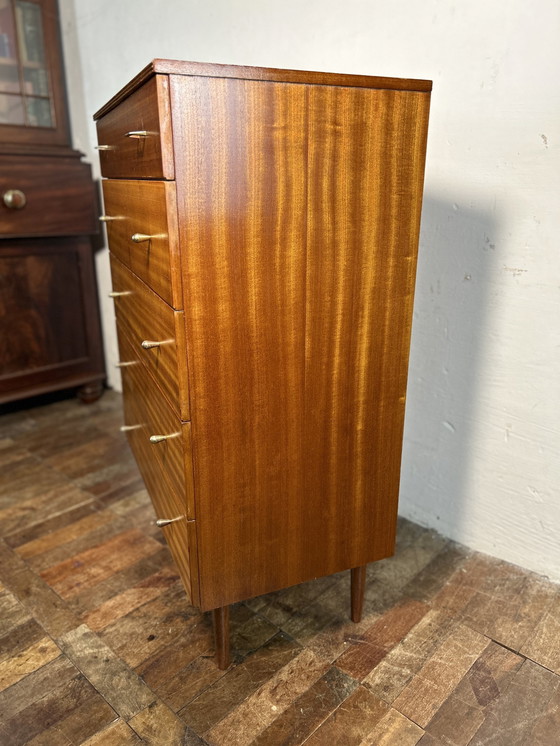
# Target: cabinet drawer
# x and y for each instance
(141, 219)
(60, 197)
(135, 137)
(181, 534)
(167, 440)
(156, 332)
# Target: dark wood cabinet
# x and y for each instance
(50, 335)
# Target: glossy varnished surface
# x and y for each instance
(150, 157)
(154, 417)
(99, 646)
(50, 335)
(60, 197)
(300, 272)
(245, 72)
(147, 208)
(145, 317)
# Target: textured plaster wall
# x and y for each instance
(481, 459)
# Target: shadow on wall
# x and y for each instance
(457, 255)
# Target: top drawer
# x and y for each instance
(135, 137)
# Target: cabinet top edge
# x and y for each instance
(265, 74)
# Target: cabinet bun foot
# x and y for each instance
(90, 392)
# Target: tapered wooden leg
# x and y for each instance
(358, 586)
(221, 636)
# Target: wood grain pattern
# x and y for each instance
(146, 207)
(300, 269)
(243, 222)
(245, 72)
(151, 157)
(181, 535)
(50, 335)
(132, 643)
(61, 198)
(144, 316)
(154, 417)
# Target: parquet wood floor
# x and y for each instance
(98, 645)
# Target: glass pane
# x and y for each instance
(11, 109)
(30, 34)
(39, 112)
(35, 81)
(9, 74)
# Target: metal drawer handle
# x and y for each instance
(141, 237)
(126, 428)
(119, 293)
(161, 522)
(148, 344)
(14, 199)
(139, 134)
(161, 438)
(126, 364)
(105, 147)
(107, 218)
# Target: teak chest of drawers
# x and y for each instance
(263, 227)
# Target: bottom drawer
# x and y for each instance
(180, 535)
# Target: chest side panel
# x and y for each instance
(298, 210)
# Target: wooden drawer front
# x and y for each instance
(159, 423)
(146, 318)
(60, 197)
(134, 211)
(179, 535)
(124, 151)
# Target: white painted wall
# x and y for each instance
(482, 444)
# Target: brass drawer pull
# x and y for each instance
(107, 218)
(148, 344)
(161, 522)
(14, 199)
(139, 134)
(126, 364)
(161, 438)
(141, 237)
(119, 293)
(105, 147)
(126, 428)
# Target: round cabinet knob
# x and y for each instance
(14, 199)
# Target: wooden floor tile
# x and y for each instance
(352, 722)
(122, 688)
(230, 690)
(157, 725)
(12, 613)
(393, 730)
(100, 647)
(270, 700)
(57, 704)
(117, 734)
(20, 637)
(395, 671)
(35, 686)
(430, 687)
(90, 567)
(531, 695)
(368, 650)
(306, 713)
(22, 664)
(543, 646)
(489, 676)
